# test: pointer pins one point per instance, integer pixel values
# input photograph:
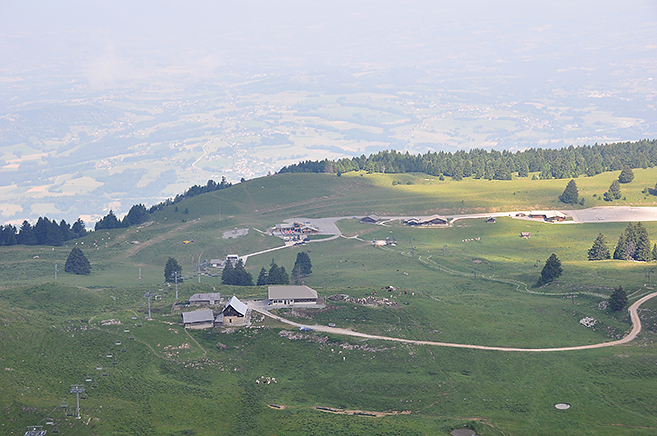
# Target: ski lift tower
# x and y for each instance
(77, 390)
(175, 276)
(149, 295)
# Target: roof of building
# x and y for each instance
(204, 315)
(372, 217)
(291, 292)
(548, 213)
(212, 296)
(284, 226)
(236, 304)
(425, 220)
(434, 217)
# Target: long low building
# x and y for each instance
(211, 298)
(547, 215)
(433, 220)
(292, 296)
(198, 319)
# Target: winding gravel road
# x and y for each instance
(636, 329)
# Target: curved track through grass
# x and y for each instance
(636, 329)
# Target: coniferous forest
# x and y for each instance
(559, 163)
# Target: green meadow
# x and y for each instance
(470, 283)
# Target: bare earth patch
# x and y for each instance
(361, 412)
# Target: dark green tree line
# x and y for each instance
(566, 162)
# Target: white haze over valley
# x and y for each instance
(105, 104)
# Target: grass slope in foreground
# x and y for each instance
(167, 381)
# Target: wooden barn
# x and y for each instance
(198, 319)
(233, 314)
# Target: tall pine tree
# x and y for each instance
(570, 195)
(626, 175)
(551, 270)
(77, 263)
(642, 253)
(262, 277)
(599, 250)
(172, 268)
(617, 299)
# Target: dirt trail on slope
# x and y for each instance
(136, 248)
(636, 329)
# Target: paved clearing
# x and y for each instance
(636, 329)
(613, 214)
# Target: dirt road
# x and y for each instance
(636, 329)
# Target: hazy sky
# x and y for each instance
(107, 41)
(94, 92)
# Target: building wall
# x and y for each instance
(234, 320)
(200, 325)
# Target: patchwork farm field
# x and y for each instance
(161, 379)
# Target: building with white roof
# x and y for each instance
(233, 314)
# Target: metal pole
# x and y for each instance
(140, 272)
(149, 307)
(55, 271)
(176, 276)
(77, 390)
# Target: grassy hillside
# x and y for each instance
(163, 380)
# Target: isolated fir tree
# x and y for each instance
(599, 250)
(654, 252)
(551, 270)
(77, 263)
(303, 263)
(617, 299)
(228, 275)
(626, 175)
(614, 190)
(570, 195)
(172, 266)
(262, 277)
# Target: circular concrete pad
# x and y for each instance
(562, 406)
